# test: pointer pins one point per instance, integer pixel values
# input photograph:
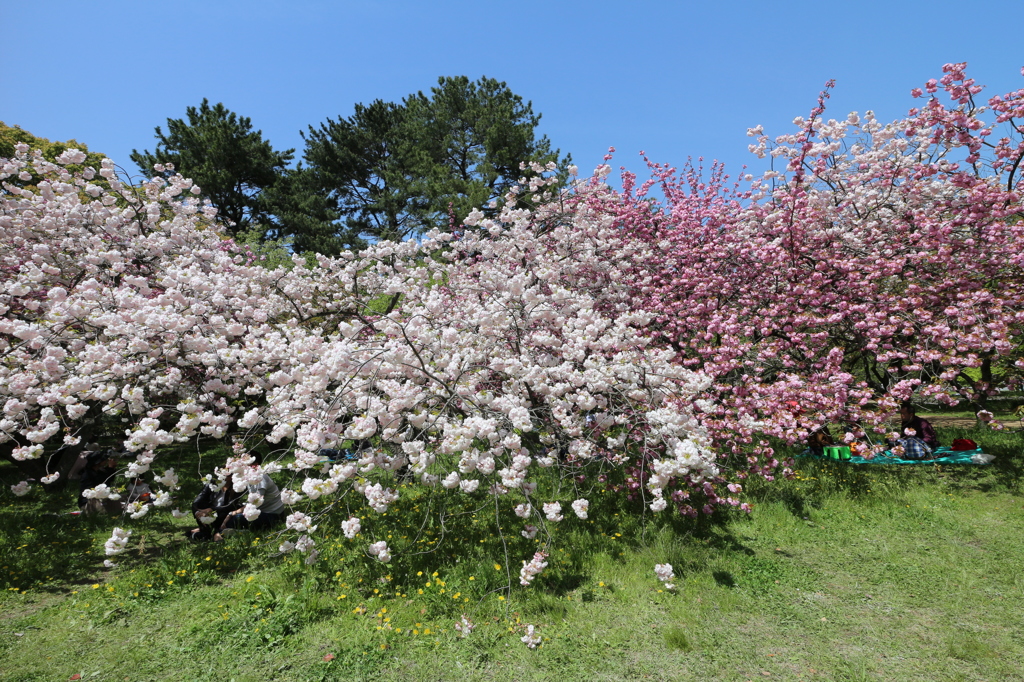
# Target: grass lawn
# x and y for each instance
(845, 573)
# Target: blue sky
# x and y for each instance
(675, 79)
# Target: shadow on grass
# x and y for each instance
(42, 545)
(457, 535)
(724, 578)
(567, 581)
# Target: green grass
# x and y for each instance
(844, 573)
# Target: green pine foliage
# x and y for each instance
(396, 170)
(390, 171)
(231, 163)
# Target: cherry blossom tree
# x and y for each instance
(882, 261)
(480, 365)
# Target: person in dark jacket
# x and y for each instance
(212, 506)
(272, 509)
(922, 427)
(100, 467)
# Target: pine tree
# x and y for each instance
(232, 164)
(394, 171)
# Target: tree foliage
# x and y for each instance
(396, 170)
(10, 136)
(477, 379)
(883, 263)
(232, 164)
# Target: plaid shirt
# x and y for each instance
(923, 430)
(915, 448)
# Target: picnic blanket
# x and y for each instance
(944, 456)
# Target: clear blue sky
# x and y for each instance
(676, 79)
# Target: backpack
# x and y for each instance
(962, 444)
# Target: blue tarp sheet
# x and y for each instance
(944, 455)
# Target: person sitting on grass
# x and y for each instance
(819, 439)
(922, 427)
(917, 437)
(82, 462)
(264, 500)
(212, 506)
(139, 491)
(100, 469)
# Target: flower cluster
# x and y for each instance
(128, 300)
(665, 574)
(533, 568)
(380, 550)
(117, 542)
(531, 639)
(553, 511)
(464, 626)
(351, 527)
